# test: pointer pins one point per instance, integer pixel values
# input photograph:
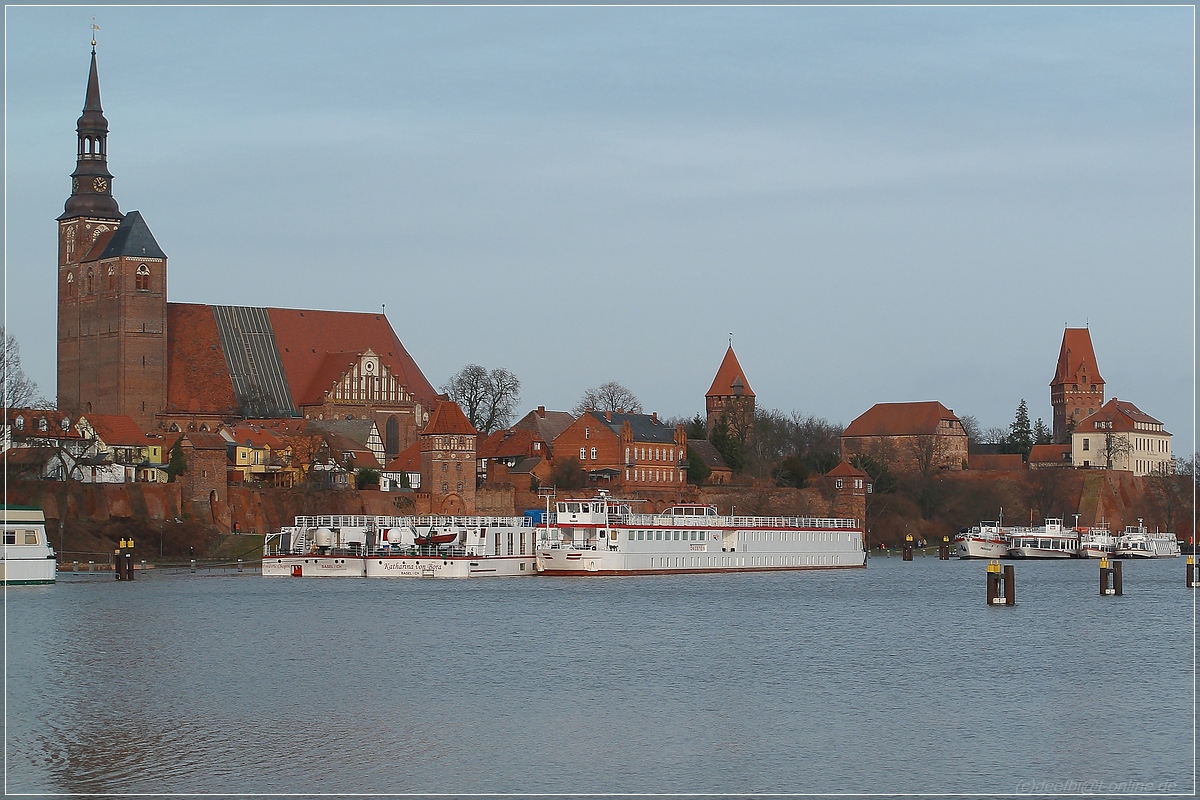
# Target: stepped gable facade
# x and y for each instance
(1121, 436)
(730, 398)
(1077, 390)
(123, 349)
(907, 437)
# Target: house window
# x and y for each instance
(593, 454)
(143, 278)
(458, 489)
(837, 483)
(858, 483)
(537, 445)
(587, 432)
(583, 454)
(445, 487)
(1086, 444)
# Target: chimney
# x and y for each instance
(654, 416)
(541, 411)
(608, 416)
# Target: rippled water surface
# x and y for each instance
(896, 678)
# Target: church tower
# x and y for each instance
(1077, 390)
(112, 289)
(731, 397)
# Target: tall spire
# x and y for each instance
(91, 182)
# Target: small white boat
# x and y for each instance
(985, 540)
(1096, 541)
(1051, 540)
(28, 557)
(1137, 542)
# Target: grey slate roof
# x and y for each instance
(707, 453)
(357, 430)
(645, 427)
(134, 239)
(548, 427)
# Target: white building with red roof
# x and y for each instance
(1123, 437)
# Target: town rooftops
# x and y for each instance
(118, 430)
(1050, 454)
(902, 419)
(408, 461)
(548, 424)
(645, 427)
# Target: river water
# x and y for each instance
(896, 678)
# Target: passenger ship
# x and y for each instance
(1051, 540)
(603, 536)
(28, 557)
(1137, 542)
(985, 540)
(401, 547)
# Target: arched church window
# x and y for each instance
(392, 436)
(143, 278)
(174, 427)
(90, 281)
(70, 284)
(112, 276)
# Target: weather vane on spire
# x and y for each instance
(95, 28)
(731, 338)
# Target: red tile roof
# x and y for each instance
(996, 462)
(728, 374)
(1049, 453)
(205, 441)
(98, 246)
(447, 417)
(408, 461)
(1122, 414)
(1076, 359)
(197, 376)
(311, 343)
(507, 444)
(845, 470)
(255, 436)
(901, 419)
(117, 430)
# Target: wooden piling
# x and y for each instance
(1010, 585)
(1191, 575)
(1118, 588)
(908, 547)
(944, 549)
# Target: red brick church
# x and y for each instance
(123, 349)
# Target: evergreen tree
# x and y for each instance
(1020, 434)
(728, 445)
(177, 465)
(698, 471)
(1041, 434)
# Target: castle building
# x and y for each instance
(731, 398)
(448, 456)
(1077, 390)
(907, 437)
(123, 349)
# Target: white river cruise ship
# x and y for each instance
(603, 536)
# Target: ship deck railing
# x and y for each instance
(747, 523)
(420, 521)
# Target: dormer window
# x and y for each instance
(43, 424)
(19, 423)
(66, 424)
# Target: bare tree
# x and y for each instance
(1115, 447)
(1172, 489)
(972, 428)
(487, 397)
(927, 452)
(19, 390)
(611, 396)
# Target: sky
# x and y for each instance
(880, 204)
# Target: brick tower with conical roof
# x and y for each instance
(1077, 389)
(730, 397)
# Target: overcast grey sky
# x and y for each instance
(881, 203)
